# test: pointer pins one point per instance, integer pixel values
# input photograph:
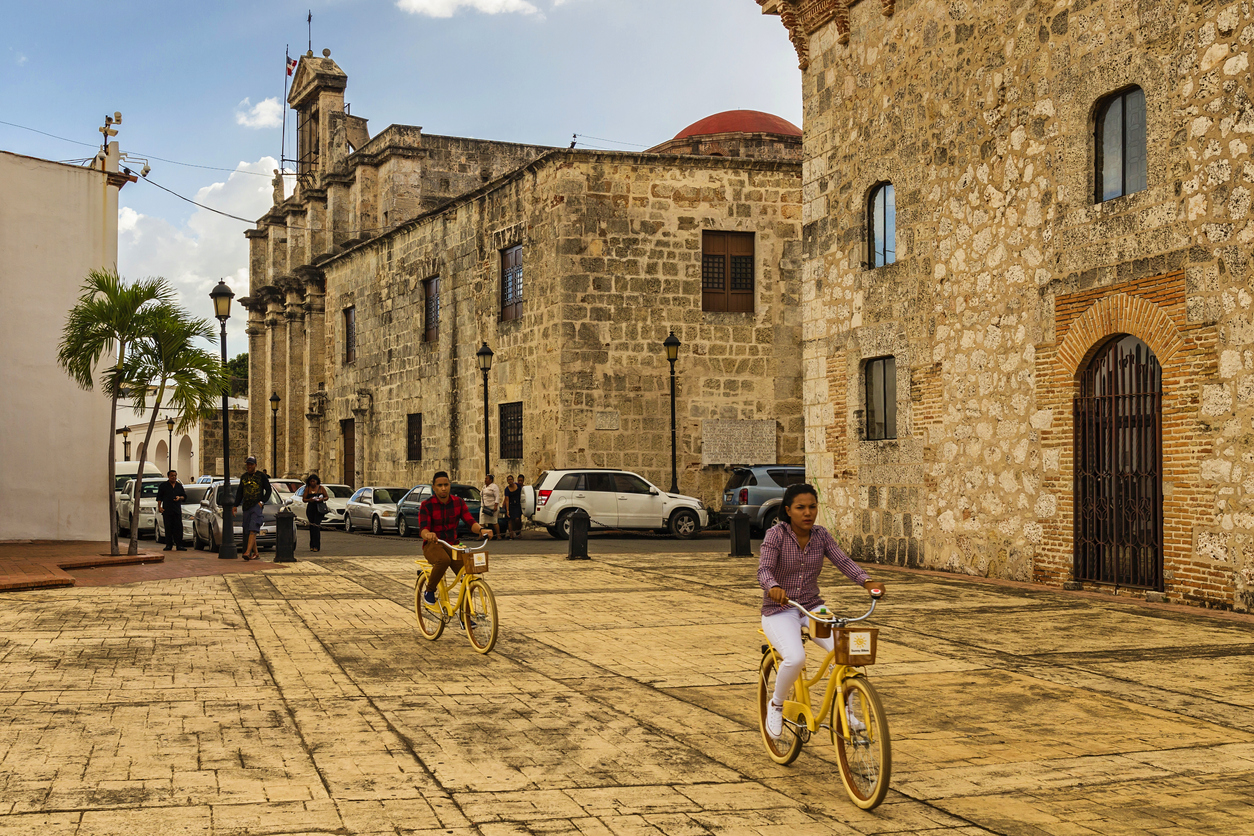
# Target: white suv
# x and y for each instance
(613, 499)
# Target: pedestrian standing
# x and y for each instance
(254, 490)
(513, 508)
(490, 505)
(170, 499)
(316, 497)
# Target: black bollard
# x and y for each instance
(578, 535)
(738, 525)
(284, 536)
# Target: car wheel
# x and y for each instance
(402, 527)
(348, 524)
(197, 543)
(122, 529)
(553, 532)
(562, 529)
(772, 517)
(376, 527)
(685, 524)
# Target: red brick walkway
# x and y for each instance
(47, 563)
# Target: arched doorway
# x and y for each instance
(1118, 467)
(185, 463)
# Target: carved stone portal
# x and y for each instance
(803, 18)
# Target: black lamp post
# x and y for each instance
(671, 344)
(169, 455)
(126, 444)
(274, 433)
(485, 365)
(222, 296)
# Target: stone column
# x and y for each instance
(313, 433)
(295, 401)
(361, 423)
(276, 335)
(315, 372)
(258, 375)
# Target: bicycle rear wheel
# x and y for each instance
(479, 615)
(787, 746)
(866, 758)
(430, 624)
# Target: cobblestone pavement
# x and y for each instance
(620, 700)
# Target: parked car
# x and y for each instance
(289, 485)
(613, 499)
(146, 520)
(207, 519)
(194, 494)
(758, 490)
(337, 500)
(373, 508)
(407, 509)
(205, 480)
(125, 471)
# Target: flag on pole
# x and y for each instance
(291, 65)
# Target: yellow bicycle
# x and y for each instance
(859, 732)
(474, 606)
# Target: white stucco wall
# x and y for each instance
(57, 222)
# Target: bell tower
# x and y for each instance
(317, 96)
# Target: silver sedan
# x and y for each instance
(373, 508)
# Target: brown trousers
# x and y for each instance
(441, 558)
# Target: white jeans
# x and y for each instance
(783, 630)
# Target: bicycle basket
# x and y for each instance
(855, 646)
(476, 563)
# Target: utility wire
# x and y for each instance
(615, 141)
(45, 133)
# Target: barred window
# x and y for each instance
(431, 290)
(350, 334)
(414, 437)
(882, 226)
(511, 283)
(881, 398)
(511, 430)
(727, 271)
(1120, 145)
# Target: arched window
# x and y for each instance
(1120, 144)
(882, 226)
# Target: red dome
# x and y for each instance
(740, 121)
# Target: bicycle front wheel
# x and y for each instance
(479, 615)
(785, 748)
(430, 624)
(866, 758)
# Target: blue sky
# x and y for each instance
(192, 82)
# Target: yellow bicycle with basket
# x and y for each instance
(474, 605)
(860, 731)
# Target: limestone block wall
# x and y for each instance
(982, 117)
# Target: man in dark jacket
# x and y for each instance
(170, 499)
(253, 491)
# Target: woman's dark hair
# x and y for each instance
(790, 496)
(313, 477)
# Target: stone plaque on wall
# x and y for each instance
(737, 442)
(607, 420)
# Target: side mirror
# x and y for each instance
(653, 492)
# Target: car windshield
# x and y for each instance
(385, 495)
(466, 492)
(339, 491)
(196, 494)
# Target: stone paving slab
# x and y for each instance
(619, 700)
(42, 564)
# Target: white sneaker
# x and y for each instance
(774, 719)
(856, 726)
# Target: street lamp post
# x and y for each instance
(274, 433)
(485, 365)
(169, 453)
(126, 444)
(671, 344)
(222, 296)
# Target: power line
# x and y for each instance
(615, 141)
(45, 133)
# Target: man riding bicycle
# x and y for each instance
(437, 520)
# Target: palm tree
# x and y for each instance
(108, 318)
(166, 363)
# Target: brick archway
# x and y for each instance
(1118, 314)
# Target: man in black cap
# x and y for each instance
(254, 488)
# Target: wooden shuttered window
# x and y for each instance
(350, 335)
(512, 430)
(727, 272)
(414, 437)
(511, 283)
(431, 326)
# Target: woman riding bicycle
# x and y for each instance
(788, 568)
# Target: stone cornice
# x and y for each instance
(802, 18)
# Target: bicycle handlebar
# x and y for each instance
(835, 619)
(463, 546)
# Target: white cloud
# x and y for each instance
(18, 57)
(447, 8)
(208, 247)
(267, 113)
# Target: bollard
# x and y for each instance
(738, 525)
(578, 535)
(284, 537)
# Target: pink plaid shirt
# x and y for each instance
(782, 563)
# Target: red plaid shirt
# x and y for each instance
(441, 517)
(782, 563)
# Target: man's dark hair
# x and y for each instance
(168, 472)
(791, 494)
(437, 476)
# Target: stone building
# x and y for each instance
(398, 257)
(1028, 336)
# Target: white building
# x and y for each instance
(132, 423)
(57, 223)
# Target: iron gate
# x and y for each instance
(1118, 467)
